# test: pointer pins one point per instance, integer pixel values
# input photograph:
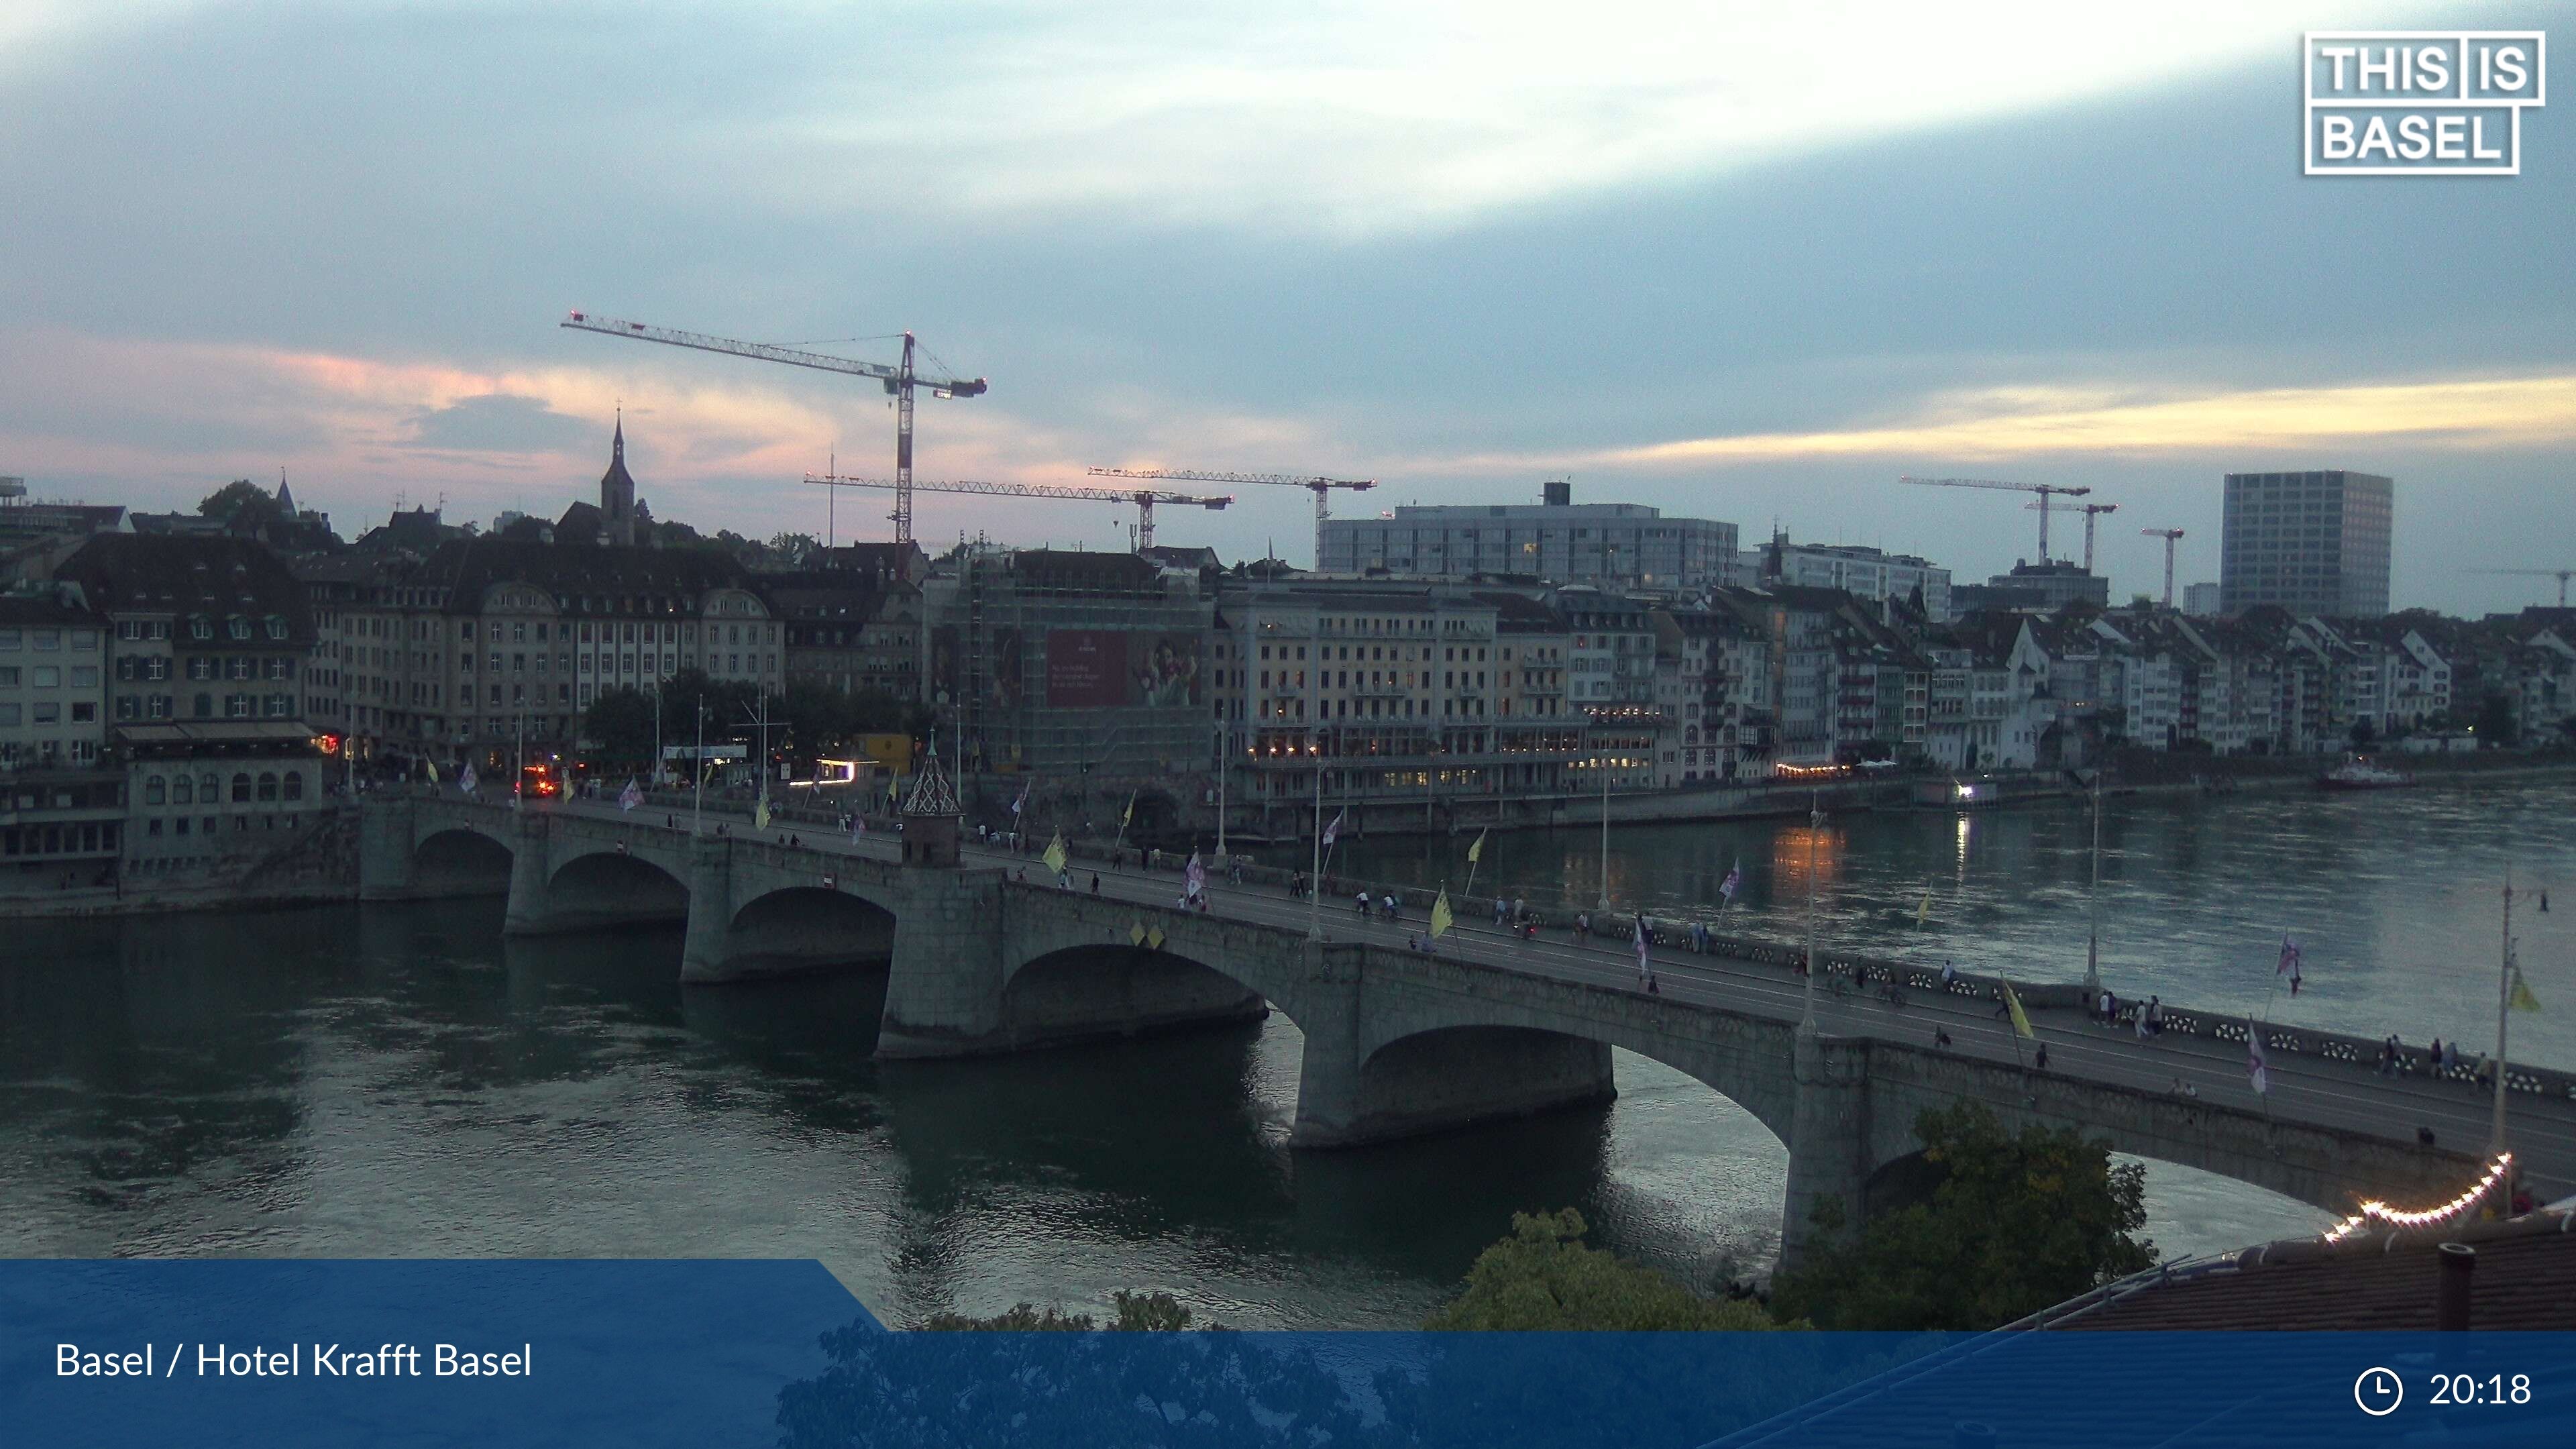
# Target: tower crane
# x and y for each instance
(2089, 510)
(1143, 498)
(2044, 490)
(2561, 575)
(1321, 487)
(899, 380)
(2171, 536)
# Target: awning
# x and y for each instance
(217, 732)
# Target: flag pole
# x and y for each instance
(2504, 1001)
(1315, 883)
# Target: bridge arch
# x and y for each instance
(1116, 988)
(807, 927)
(461, 861)
(606, 889)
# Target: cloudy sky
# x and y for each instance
(1710, 257)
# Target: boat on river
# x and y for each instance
(2358, 773)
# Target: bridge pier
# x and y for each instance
(385, 847)
(708, 951)
(944, 990)
(1829, 1157)
(1432, 1081)
(529, 912)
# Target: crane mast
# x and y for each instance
(2089, 510)
(1143, 498)
(899, 381)
(2171, 536)
(2044, 490)
(1321, 487)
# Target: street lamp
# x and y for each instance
(1604, 903)
(1815, 830)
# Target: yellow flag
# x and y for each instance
(2012, 1005)
(433, 770)
(1440, 917)
(890, 785)
(1129, 816)
(760, 815)
(1476, 852)
(2521, 997)
(1054, 856)
(1923, 912)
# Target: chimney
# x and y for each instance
(2451, 1301)
(1557, 492)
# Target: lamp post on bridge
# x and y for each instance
(2093, 943)
(1815, 829)
(1602, 906)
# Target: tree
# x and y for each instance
(1544, 1277)
(240, 503)
(2363, 732)
(2495, 721)
(2016, 1223)
(1137, 1313)
(619, 725)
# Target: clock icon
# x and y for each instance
(2378, 1391)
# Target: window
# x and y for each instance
(85, 711)
(267, 785)
(276, 627)
(46, 676)
(9, 677)
(237, 627)
(241, 789)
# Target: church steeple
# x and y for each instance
(617, 490)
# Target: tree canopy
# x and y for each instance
(1545, 1277)
(240, 501)
(2016, 1223)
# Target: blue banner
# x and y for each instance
(504, 1354)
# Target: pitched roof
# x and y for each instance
(465, 568)
(2525, 1279)
(213, 574)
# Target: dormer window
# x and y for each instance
(237, 627)
(201, 627)
(276, 627)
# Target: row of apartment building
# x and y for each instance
(158, 690)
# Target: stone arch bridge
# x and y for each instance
(1397, 1042)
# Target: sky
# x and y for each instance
(1748, 262)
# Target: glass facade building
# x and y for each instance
(2312, 543)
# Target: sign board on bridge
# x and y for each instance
(705, 752)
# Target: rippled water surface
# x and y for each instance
(402, 1080)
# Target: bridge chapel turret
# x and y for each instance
(931, 816)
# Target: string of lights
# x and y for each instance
(2382, 1214)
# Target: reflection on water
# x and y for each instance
(405, 1081)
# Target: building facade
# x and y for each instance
(2311, 543)
(1616, 545)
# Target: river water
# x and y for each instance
(402, 1080)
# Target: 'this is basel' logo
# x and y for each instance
(2420, 102)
